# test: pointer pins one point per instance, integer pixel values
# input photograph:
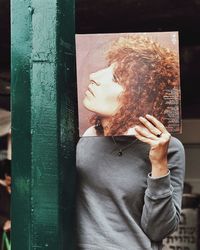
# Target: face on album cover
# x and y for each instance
(123, 76)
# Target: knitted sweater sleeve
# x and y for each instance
(163, 196)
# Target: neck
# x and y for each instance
(105, 122)
(106, 127)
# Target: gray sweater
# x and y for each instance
(119, 205)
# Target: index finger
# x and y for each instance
(157, 123)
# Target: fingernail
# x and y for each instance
(148, 115)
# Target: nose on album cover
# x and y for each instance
(124, 76)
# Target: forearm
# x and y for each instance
(159, 169)
(161, 210)
(163, 196)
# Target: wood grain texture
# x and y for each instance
(44, 95)
(21, 127)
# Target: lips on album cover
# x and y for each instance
(123, 76)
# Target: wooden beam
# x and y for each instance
(44, 124)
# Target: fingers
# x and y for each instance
(159, 126)
(145, 133)
(145, 136)
(150, 126)
(142, 138)
(157, 123)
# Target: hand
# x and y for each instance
(7, 225)
(156, 135)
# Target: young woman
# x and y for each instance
(129, 187)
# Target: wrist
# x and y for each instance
(159, 168)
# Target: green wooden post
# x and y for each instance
(21, 116)
(44, 124)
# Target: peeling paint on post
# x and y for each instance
(21, 137)
(44, 124)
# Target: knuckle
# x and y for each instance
(167, 136)
(162, 126)
(145, 121)
(156, 131)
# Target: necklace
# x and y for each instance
(121, 150)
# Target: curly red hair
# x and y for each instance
(145, 70)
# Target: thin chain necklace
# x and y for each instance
(121, 150)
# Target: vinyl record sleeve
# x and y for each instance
(123, 76)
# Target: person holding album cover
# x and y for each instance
(130, 170)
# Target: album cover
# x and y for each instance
(123, 76)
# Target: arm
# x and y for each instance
(163, 196)
(162, 200)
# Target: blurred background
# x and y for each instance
(5, 116)
(5, 126)
(112, 16)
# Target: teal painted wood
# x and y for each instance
(67, 105)
(44, 127)
(51, 126)
(21, 136)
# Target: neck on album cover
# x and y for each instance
(106, 124)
